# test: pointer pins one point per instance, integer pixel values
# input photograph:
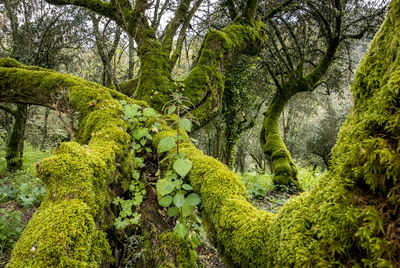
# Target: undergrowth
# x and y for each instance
(266, 196)
(21, 192)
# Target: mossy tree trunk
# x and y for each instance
(15, 142)
(77, 177)
(297, 79)
(281, 162)
(351, 218)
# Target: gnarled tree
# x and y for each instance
(304, 41)
(350, 218)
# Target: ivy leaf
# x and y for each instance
(185, 124)
(182, 166)
(181, 230)
(164, 187)
(179, 199)
(187, 187)
(166, 144)
(193, 199)
(173, 211)
(165, 201)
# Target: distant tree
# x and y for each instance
(303, 43)
(36, 34)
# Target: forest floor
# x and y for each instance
(16, 217)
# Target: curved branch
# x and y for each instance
(8, 109)
(277, 9)
(172, 28)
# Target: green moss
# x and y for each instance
(204, 85)
(282, 164)
(69, 239)
(129, 87)
(155, 83)
(76, 209)
(350, 218)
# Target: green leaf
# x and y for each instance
(132, 110)
(171, 109)
(166, 144)
(173, 211)
(139, 133)
(171, 175)
(187, 209)
(182, 166)
(193, 199)
(165, 201)
(179, 199)
(187, 187)
(121, 224)
(149, 112)
(195, 241)
(185, 124)
(136, 174)
(164, 187)
(181, 230)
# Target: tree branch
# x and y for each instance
(230, 4)
(98, 6)
(278, 9)
(174, 24)
(182, 33)
(8, 109)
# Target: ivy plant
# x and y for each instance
(137, 117)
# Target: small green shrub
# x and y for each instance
(23, 188)
(11, 226)
(257, 184)
(309, 176)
